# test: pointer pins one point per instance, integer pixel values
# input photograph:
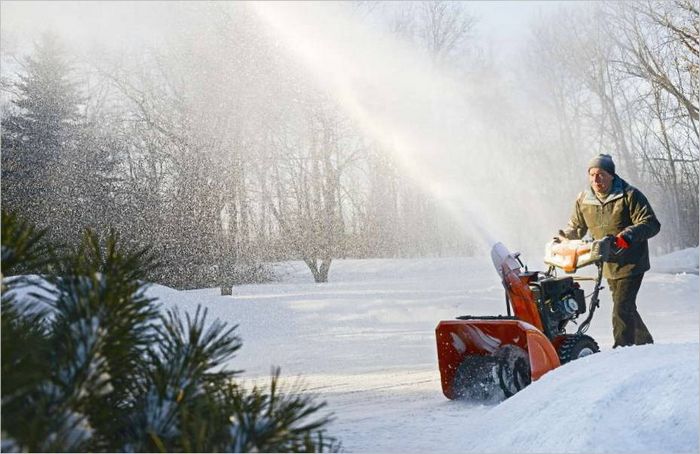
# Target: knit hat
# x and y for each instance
(603, 161)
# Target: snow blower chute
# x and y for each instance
(493, 357)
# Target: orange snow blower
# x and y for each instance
(492, 357)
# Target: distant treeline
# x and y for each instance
(220, 154)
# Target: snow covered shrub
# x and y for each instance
(93, 364)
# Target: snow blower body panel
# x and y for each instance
(495, 345)
(492, 357)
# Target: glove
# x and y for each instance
(560, 237)
(621, 242)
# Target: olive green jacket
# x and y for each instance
(625, 211)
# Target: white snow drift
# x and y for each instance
(364, 342)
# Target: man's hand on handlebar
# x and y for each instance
(560, 237)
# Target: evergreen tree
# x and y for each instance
(94, 365)
(37, 134)
(55, 165)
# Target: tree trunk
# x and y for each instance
(320, 272)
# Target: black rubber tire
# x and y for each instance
(576, 346)
(474, 379)
(491, 378)
(513, 369)
(513, 380)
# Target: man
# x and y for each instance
(610, 206)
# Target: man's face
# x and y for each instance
(600, 180)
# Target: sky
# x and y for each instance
(503, 25)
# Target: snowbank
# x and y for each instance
(635, 400)
(683, 261)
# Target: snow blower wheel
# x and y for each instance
(513, 377)
(577, 346)
(513, 369)
(492, 378)
(475, 379)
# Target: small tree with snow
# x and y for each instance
(91, 363)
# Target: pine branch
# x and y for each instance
(98, 368)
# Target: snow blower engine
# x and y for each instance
(487, 358)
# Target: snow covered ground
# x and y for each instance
(364, 342)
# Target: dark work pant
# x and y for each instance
(628, 327)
